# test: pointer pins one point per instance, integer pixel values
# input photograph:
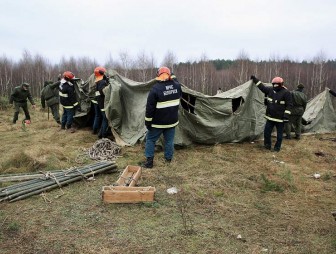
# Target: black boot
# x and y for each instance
(148, 163)
(16, 117)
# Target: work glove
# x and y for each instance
(254, 79)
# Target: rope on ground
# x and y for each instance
(102, 149)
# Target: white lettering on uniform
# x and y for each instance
(169, 92)
(169, 87)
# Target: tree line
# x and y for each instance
(202, 75)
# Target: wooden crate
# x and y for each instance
(130, 176)
(123, 194)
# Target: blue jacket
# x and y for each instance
(162, 104)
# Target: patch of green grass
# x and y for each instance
(13, 227)
(270, 185)
(327, 176)
(333, 244)
(287, 176)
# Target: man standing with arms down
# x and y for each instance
(279, 103)
(299, 100)
(162, 115)
(19, 96)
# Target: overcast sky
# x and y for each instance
(298, 29)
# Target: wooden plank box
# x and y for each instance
(123, 194)
(130, 176)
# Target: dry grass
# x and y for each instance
(270, 199)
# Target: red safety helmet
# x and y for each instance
(163, 73)
(163, 70)
(277, 80)
(99, 71)
(68, 75)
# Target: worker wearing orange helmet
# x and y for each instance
(68, 100)
(100, 120)
(162, 115)
(279, 104)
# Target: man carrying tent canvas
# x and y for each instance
(50, 96)
(279, 104)
(162, 115)
(299, 100)
(68, 100)
(100, 120)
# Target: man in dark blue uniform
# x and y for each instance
(68, 100)
(162, 115)
(100, 120)
(279, 104)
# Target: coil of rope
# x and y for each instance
(102, 149)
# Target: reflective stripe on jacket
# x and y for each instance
(162, 104)
(279, 103)
(67, 95)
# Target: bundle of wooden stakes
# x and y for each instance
(54, 180)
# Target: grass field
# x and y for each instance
(233, 198)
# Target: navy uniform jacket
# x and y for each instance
(279, 103)
(67, 95)
(162, 104)
(100, 96)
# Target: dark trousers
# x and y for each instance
(97, 122)
(268, 134)
(153, 135)
(295, 122)
(24, 107)
(67, 117)
(55, 111)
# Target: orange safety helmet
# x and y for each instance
(68, 75)
(277, 80)
(163, 73)
(99, 73)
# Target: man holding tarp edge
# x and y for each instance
(162, 115)
(279, 104)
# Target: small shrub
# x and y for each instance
(13, 227)
(4, 103)
(327, 176)
(269, 185)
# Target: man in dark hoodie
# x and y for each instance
(162, 115)
(19, 96)
(279, 104)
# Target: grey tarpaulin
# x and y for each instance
(233, 116)
(320, 114)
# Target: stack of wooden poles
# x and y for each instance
(54, 180)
